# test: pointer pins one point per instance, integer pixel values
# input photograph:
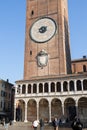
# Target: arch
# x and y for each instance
(44, 109)
(65, 86)
(32, 110)
(58, 87)
(34, 88)
(69, 108)
(85, 84)
(52, 87)
(23, 89)
(20, 110)
(84, 68)
(71, 85)
(29, 88)
(19, 89)
(46, 87)
(78, 85)
(56, 108)
(82, 109)
(40, 88)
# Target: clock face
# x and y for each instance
(43, 30)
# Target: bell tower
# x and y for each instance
(47, 49)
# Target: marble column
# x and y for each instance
(62, 108)
(37, 110)
(14, 112)
(76, 105)
(25, 120)
(49, 111)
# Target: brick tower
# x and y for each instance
(48, 89)
(47, 50)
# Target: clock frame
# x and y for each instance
(43, 29)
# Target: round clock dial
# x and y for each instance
(43, 30)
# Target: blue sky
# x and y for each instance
(12, 35)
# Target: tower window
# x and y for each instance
(32, 12)
(30, 52)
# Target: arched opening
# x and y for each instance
(78, 84)
(56, 108)
(40, 88)
(52, 87)
(58, 87)
(19, 89)
(69, 108)
(85, 84)
(71, 86)
(29, 88)
(84, 68)
(23, 89)
(82, 109)
(46, 87)
(32, 110)
(20, 110)
(34, 88)
(65, 86)
(44, 110)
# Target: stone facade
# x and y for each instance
(53, 97)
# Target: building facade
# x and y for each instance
(79, 65)
(49, 89)
(6, 101)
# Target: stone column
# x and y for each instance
(82, 85)
(49, 87)
(49, 111)
(43, 87)
(62, 87)
(55, 87)
(26, 89)
(37, 88)
(31, 88)
(68, 87)
(25, 120)
(75, 85)
(63, 108)
(76, 105)
(16, 89)
(15, 111)
(37, 110)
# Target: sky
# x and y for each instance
(12, 35)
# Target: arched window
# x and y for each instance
(84, 68)
(40, 88)
(71, 86)
(58, 87)
(85, 84)
(18, 89)
(79, 87)
(23, 89)
(34, 88)
(65, 86)
(52, 87)
(46, 87)
(29, 88)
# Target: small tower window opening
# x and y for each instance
(30, 52)
(32, 13)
